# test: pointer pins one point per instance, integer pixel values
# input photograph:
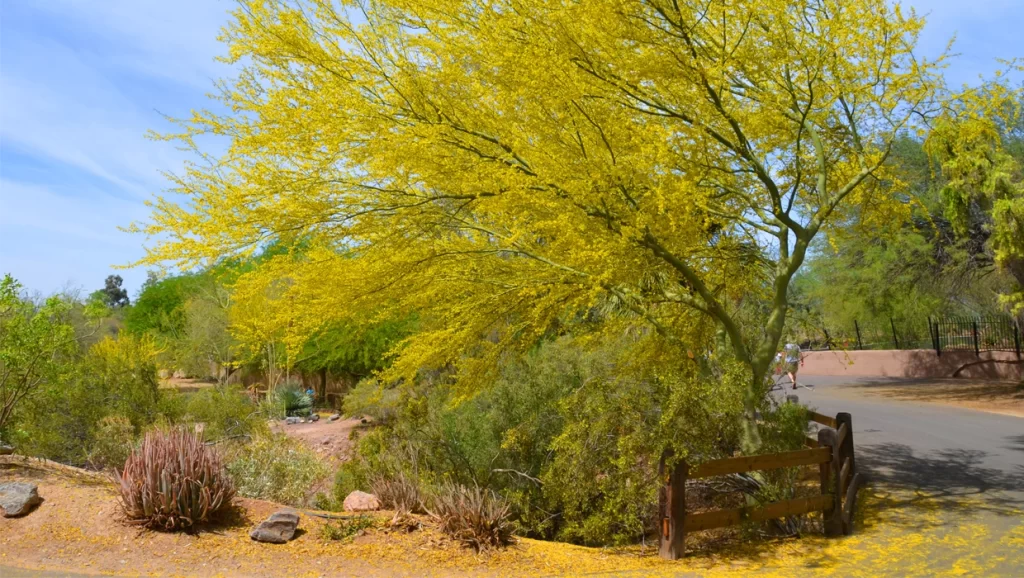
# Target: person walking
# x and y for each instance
(792, 361)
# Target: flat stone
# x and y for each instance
(6, 450)
(361, 502)
(292, 420)
(314, 417)
(277, 529)
(334, 417)
(18, 498)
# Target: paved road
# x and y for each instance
(941, 450)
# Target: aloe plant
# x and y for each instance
(173, 481)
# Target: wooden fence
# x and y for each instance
(832, 451)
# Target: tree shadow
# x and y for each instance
(1015, 443)
(953, 480)
(950, 390)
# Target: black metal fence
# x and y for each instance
(975, 334)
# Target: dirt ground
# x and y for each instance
(992, 396)
(78, 530)
(328, 438)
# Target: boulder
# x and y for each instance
(18, 498)
(5, 450)
(361, 502)
(334, 417)
(277, 529)
(292, 420)
(314, 417)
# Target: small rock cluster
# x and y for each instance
(292, 420)
(18, 498)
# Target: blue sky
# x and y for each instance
(81, 81)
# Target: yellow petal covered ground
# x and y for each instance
(901, 533)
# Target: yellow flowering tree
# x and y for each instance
(505, 168)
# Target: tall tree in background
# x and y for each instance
(503, 167)
(112, 296)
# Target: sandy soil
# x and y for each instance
(77, 530)
(327, 438)
(1005, 398)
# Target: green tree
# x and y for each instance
(36, 342)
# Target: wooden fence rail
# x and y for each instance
(832, 452)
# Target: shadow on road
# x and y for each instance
(952, 479)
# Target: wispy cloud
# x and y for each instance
(80, 84)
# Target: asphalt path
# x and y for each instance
(940, 450)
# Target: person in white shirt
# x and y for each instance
(792, 362)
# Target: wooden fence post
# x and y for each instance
(672, 508)
(846, 445)
(846, 453)
(833, 517)
(856, 328)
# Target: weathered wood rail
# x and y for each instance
(832, 452)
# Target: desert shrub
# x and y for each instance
(115, 377)
(346, 529)
(783, 428)
(277, 468)
(603, 474)
(400, 493)
(351, 476)
(224, 411)
(114, 442)
(174, 481)
(477, 517)
(569, 435)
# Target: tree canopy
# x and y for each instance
(505, 169)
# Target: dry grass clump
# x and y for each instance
(476, 517)
(173, 481)
(399, 493)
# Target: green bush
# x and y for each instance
(277, 468)
(569, 435)
(344, 530)
(351, 476)
(116, 377)
(225, 411)
(114, 442)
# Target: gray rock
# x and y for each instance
(6, 450)
(314, 417)
(277, 529)
(292, 420)
(334, 417)
(18, 498)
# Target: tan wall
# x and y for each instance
(914, 363)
